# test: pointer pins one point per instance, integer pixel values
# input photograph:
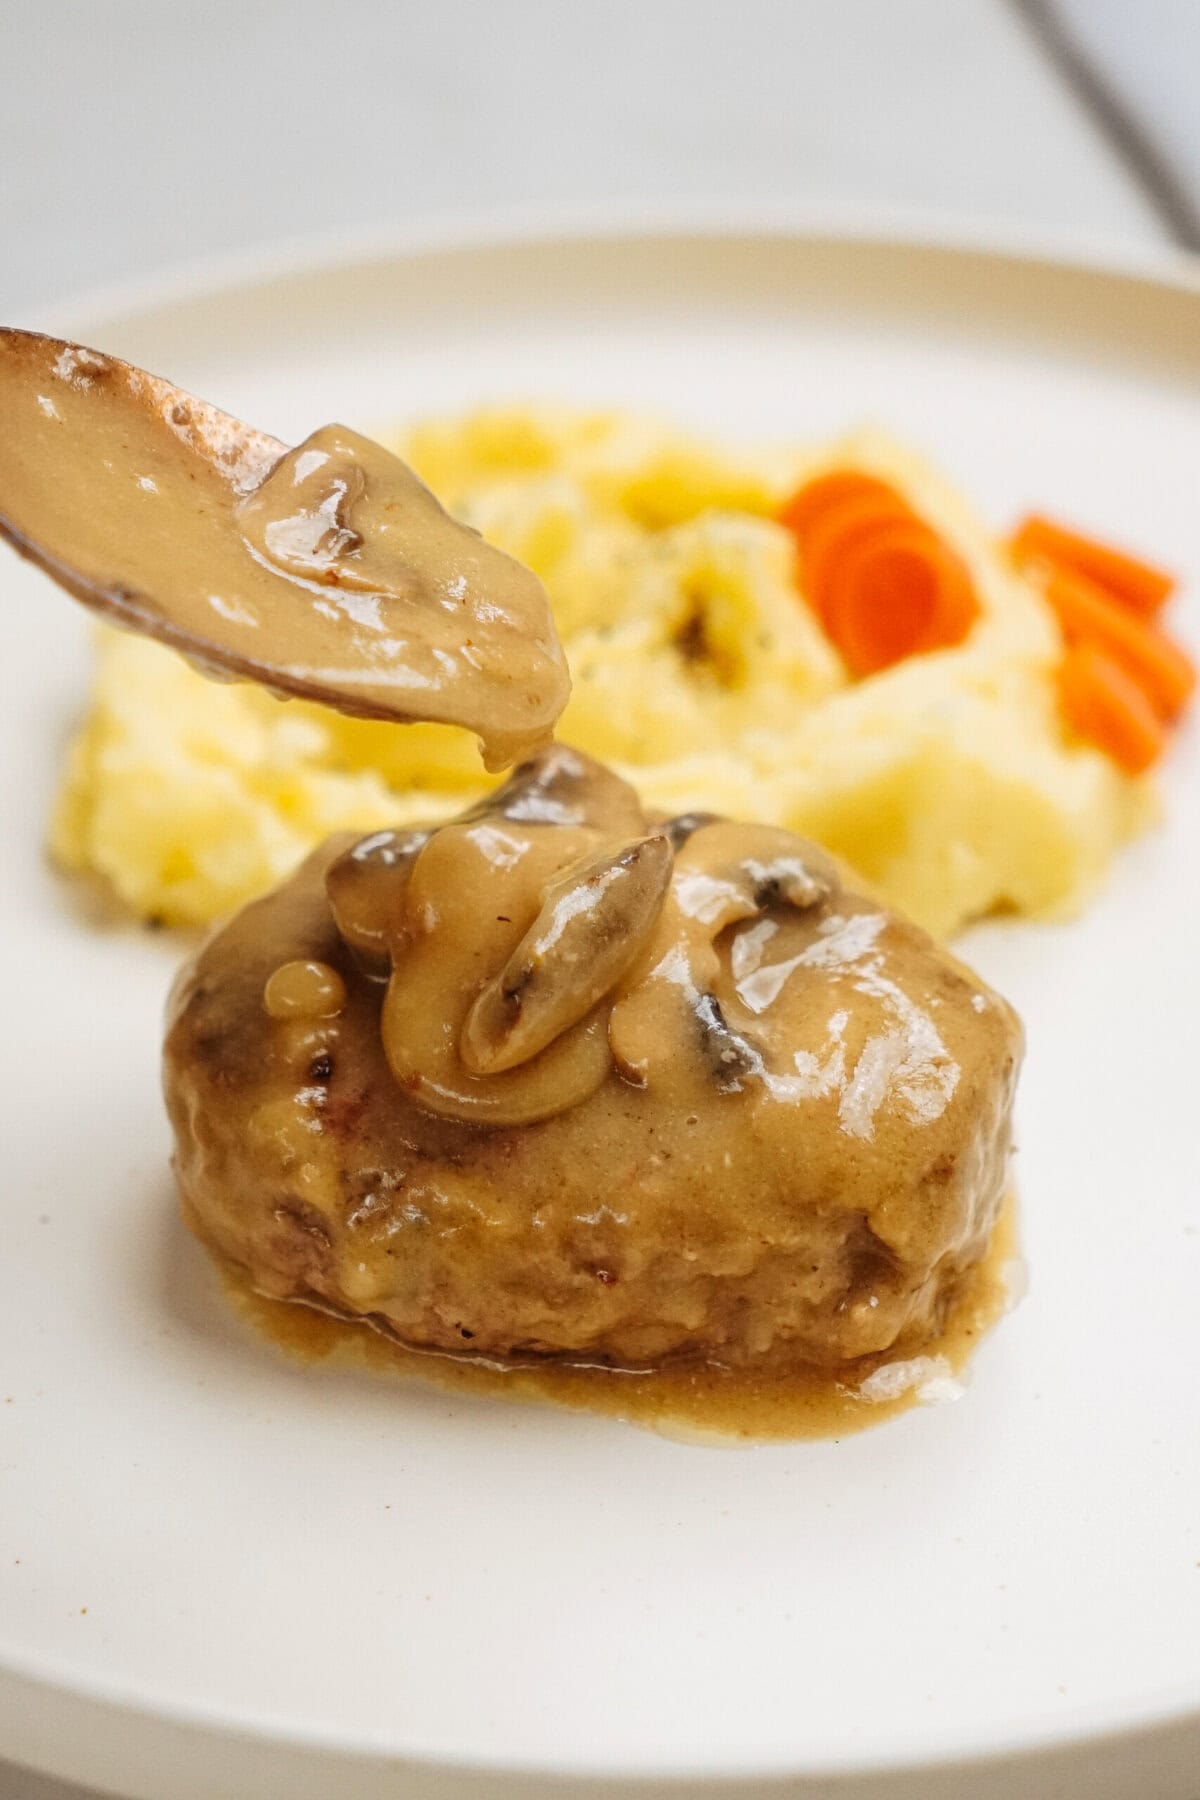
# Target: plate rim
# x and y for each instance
(307, 254)
(895, 230)
(1180, 1707)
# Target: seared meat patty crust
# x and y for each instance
(775, 1131)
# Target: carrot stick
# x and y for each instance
(1138, 585)
(1105, 704)
(1088, 614)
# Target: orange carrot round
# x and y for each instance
(1139, 585)
(882, 581)
(839, 530)
(900, 591)
(1088, 614)
(812, 501)
(1103, 702)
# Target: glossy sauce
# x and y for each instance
(304, 990)
(631, 1093)
(328, 571)
(641, 1109)
(695, 1402)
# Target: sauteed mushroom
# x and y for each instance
(594, 920)
(366, 885)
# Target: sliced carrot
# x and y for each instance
(884, 584)
(810, 502)
(1088, 614)
(1138, 585)
(899, 592)
(839, 530)
(1104, 703)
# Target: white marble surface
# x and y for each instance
(136, 135)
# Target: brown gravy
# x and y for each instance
(328, 571)
(472, 1083)
(697, 1403)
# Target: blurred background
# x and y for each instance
(140, 134)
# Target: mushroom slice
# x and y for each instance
(790, 872)
(472, 893)
(429, 1071)
(669, 1030)
(729, 872)
(366, 885)
(725, 874)
(562, 786)
(595, 919)
(329, 571)
(681, 827)
(731, 1058)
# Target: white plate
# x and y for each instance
(222, 1573)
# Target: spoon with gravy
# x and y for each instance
(327, 572)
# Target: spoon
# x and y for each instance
(328, 572)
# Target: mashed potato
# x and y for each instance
(698, 669)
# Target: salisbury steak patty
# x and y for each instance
(566, 1084)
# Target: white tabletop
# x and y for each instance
(136, 135)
